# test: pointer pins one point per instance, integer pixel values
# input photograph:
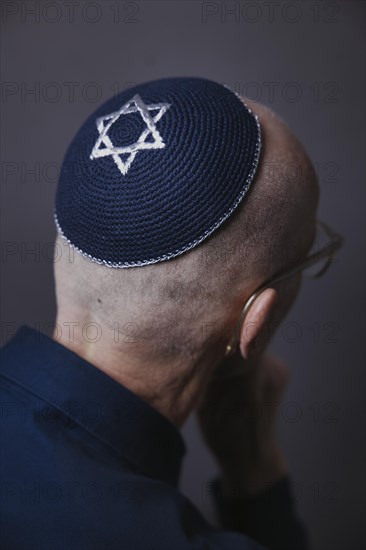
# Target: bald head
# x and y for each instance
(166, 305)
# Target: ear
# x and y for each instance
(255, 321)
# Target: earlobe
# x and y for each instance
(254, 324)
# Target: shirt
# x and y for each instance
(88, 465)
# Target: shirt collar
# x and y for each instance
(136, 431)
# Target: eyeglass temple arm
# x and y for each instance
(328, 251)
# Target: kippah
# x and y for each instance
(156, 170)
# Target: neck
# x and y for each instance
(173, 386)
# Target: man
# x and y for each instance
(175, 203)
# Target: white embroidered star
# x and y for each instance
(135, 105)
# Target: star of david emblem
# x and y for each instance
(104, 147)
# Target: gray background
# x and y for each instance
(306, 61)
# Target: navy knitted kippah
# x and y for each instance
(155, 170)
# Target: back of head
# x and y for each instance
(174, 227)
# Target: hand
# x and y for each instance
(237, 417)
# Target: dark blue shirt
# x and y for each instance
(88, 465)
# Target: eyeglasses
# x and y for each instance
(320, 260)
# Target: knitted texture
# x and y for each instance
(156, 170)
